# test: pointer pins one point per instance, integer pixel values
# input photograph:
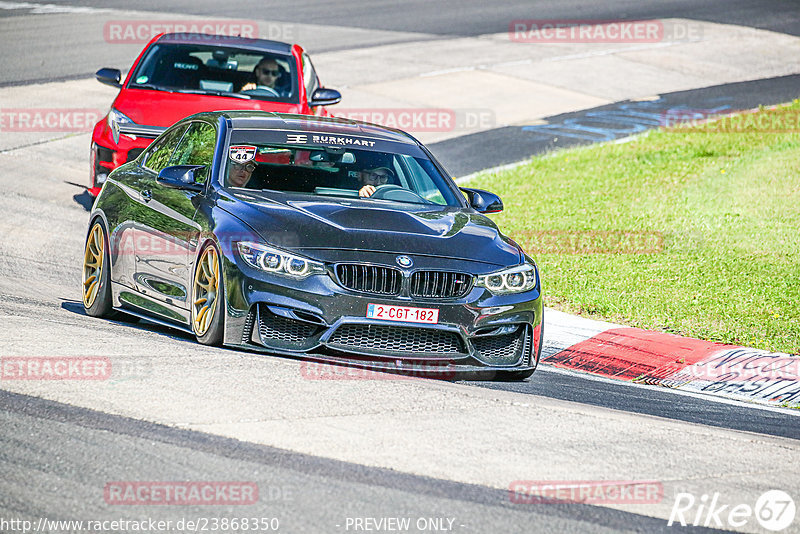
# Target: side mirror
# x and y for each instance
(483, 201)
(109, 77)
(325, 97)
(181, 177)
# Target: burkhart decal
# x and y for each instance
(338, 140)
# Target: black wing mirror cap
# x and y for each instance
(325, 97)
(110, 77)
(483, 201)
(181, 177)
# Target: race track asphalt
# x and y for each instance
(323, 453)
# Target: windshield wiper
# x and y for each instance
(212, 92)
(151, 86)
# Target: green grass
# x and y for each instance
(726, 204)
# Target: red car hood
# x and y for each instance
(157, 108)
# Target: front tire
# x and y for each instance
(97, 273)
(208, 298)
(514, 376)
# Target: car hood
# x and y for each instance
(320, 228)
(159, 108)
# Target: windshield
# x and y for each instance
(337, 172)
(216, 70)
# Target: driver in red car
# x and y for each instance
(372, 178)
(267, 73)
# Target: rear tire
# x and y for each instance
(208, 298)
(97, 273)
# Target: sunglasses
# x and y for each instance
(270, 72)
(379, 176)
(249, 167)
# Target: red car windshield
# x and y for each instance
(216, 70)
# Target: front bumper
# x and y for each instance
(319, 320)
(106, 154)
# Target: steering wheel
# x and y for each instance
(261, 90)
(396, 192)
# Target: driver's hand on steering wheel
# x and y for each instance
(366, 191)
(266, 90)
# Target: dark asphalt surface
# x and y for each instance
(472, 153)
(55, 461)
(28, 58)
(469, 17)
(653, 400)
(617, 395)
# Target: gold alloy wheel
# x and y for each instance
(206, 290)
(93, 265)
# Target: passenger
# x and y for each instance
(239, 174)
(372, 178)
(267, 72)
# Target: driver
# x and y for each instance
(372, 178)
(266, 73)
(240, 173)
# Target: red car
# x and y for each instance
(181, 74)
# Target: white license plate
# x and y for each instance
(405, 314)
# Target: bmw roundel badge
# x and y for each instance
(404, 261)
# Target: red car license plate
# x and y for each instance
(406, 314)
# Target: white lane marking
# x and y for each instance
(611, 51)
(704, 396)
(448, 71)
(47, 9)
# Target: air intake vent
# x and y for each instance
(505, 349)
(282, 332)
(396, 341)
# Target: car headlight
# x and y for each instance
(514, 280)
(272, 260)
(114, 119)
(118, 117)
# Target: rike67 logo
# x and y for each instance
(774, 511)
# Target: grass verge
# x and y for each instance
(693, 231)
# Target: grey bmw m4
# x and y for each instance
(324, 239)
